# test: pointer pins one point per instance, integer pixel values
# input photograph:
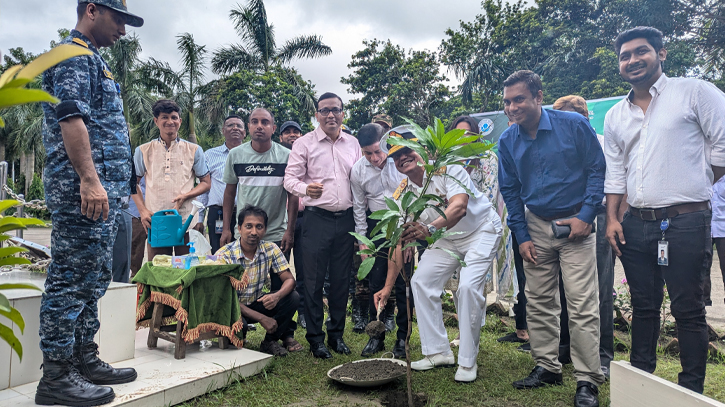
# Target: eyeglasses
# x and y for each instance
(235, 126)
(336, 111)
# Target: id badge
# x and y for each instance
(663, 255)
(219, 227)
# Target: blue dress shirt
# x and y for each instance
(553, 173)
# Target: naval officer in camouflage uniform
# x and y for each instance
(88, 170)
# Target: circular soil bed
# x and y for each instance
(368, 370)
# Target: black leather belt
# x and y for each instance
(670, 211)
(325, 212)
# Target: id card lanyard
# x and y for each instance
(663, 255)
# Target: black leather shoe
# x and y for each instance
(339, 346)
(511, 337)
(587, 395)
(399, 349)
(97, 371)
(320, 351)
(539, 377)
(373, 346)
(301, 321)
(63, 384)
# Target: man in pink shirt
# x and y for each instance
(318, 170)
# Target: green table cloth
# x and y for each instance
(203, 298)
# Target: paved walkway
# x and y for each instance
(715, 314)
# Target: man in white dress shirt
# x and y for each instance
(665, 146)
(374, 177)
(216, 158)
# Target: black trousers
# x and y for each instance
(326, 242)
(377, 276)
(214, 213)
(299, 263)
(282, 313)
(690, 253)
(520, 306)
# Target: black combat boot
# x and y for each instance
(359, 316)
(97, 371)
(389, 319)
(63, 384)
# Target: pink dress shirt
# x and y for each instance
(315, 158)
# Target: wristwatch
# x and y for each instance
(431, 229)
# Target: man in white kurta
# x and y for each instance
(479, 234)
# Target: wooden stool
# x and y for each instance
(156, 331)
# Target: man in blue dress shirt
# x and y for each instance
(551, 168)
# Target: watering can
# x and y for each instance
(166, 228)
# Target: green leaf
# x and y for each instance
(7, 204)
(378, 215)
(14, 315)
(5, 304)
(365, 268)
(52, 58)
(11, 251)
(367, 252)
(10, 261)
(382, 224)
(392, 204)
(8, 336)
(407, 198)
(367, 242)
(18, 96)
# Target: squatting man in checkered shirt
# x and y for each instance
(273, 310)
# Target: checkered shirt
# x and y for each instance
(268, 259)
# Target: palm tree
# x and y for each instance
(188, 86)
(258, 50)
(138, 87)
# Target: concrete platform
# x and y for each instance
(163, 380)
(116, 311)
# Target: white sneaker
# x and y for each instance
(466, 375)
(437, 360)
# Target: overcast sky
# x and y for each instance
(343, 25)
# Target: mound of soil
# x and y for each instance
(375, 328)
(399, 398)
(369, 370)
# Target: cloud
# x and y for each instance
(343, 25)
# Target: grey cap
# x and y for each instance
(288, 124)
(119, 6)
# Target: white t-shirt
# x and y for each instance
(479, 208)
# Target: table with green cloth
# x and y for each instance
(203, 298)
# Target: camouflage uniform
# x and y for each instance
(81, 248)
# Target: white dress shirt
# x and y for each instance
(370, 185)
(216, 158)
(663, 157)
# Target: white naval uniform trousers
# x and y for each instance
(435, 267)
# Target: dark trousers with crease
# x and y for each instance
(282, 313)
(377, 276)
(520, 306)
(211, 218)
(299, 263)
(326, 242)
(690, 253)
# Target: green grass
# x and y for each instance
(301, 380)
